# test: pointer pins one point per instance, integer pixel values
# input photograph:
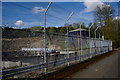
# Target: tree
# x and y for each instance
(71, 28)
(112, 32)
(52, 29)
(82, 26)
(78, 26)
(104, 17)
(103, 14)
(36, 28)
(63, 29)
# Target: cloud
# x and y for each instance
(91, 5)
(20, 23)
(57, 26)
(38, 9)
(15, 27)
(110, 0)
(94, 0)
(116, 18)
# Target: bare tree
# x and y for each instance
(103, 14)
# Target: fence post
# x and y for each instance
(81, 41)
(67, 37)
(88, 48)
(45, 36)
(95, 32)
(89, 39)
(89, 29)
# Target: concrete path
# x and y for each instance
(105, 68)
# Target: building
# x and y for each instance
(84, 32)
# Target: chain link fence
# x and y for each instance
(61, 50)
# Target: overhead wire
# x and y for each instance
(53, 16)
(78, 16)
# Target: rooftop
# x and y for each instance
(78, 30)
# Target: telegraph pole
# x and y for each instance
(67, 36)
(45, 36)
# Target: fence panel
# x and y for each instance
(61, 50)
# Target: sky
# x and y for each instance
(29, 14)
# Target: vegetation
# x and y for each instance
(104, 17)
(11, 33)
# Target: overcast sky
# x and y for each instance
(28, 14)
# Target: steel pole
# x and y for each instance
(45, 36)
(89, 32)
(89, 29)
(99, 35)
(89, 38)
(79, 44)
(67, 37)
(81, 41)
(44, 42)
(95, 32)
